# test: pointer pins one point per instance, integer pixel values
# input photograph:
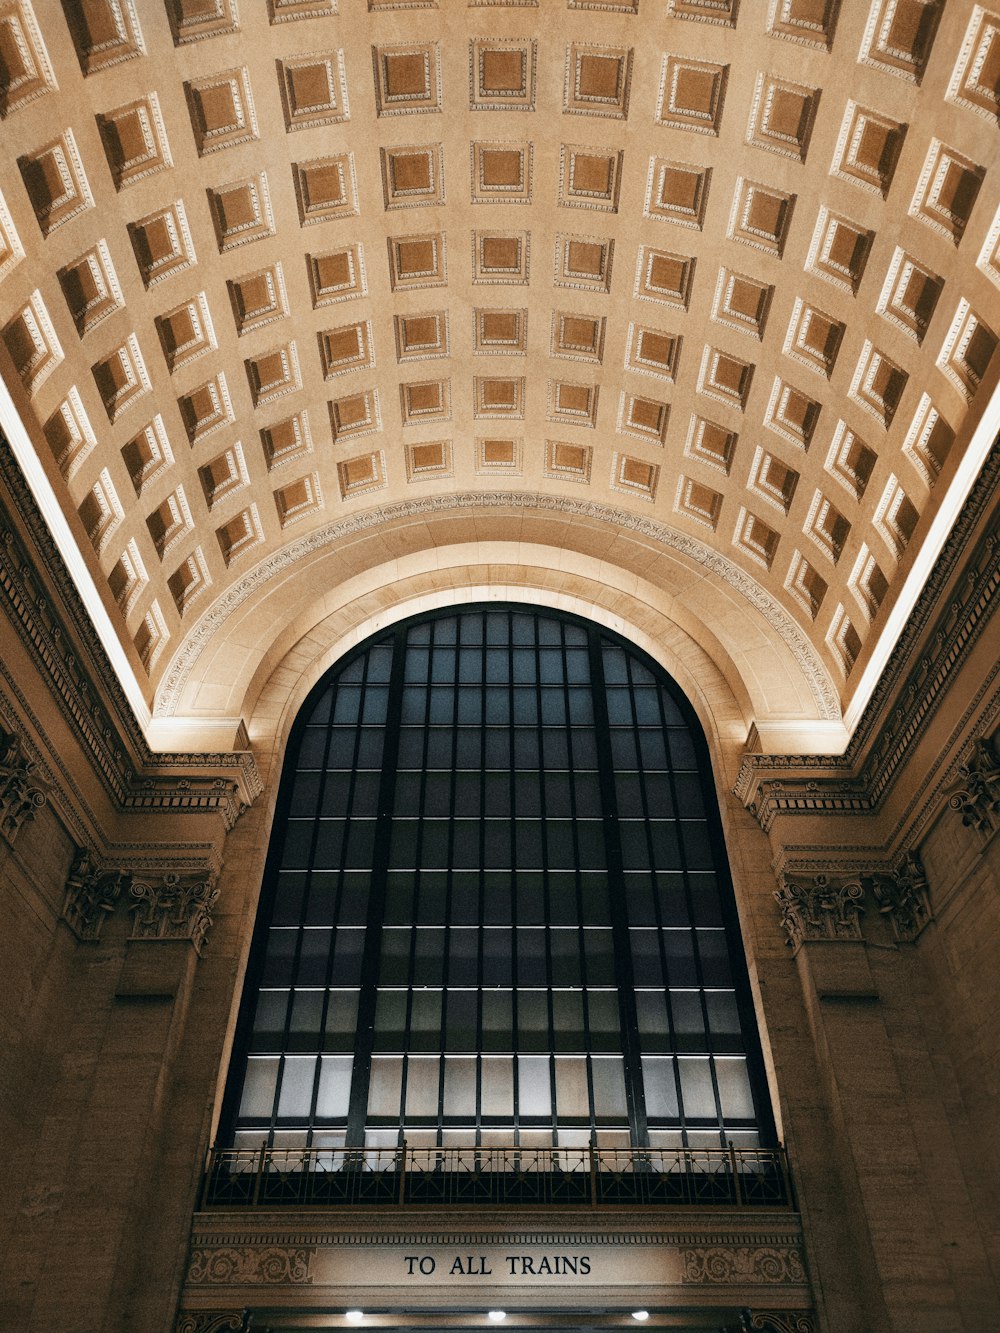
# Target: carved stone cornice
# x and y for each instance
(821, 908)
(172, 906)
(976, 794)
(858, 781)
(92, 893)
(23, 790)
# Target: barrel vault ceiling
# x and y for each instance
(723, 273)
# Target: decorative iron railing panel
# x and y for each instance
(329, 1177)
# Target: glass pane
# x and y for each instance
(422, 1077)
(660, 1087)
(258, 1087)
(334, 1093)
(734, 1088)
(459, 1086)
(295, 1095)
(384, 1085)
(696, 1087)
(572, 1098)
(534, 1094)
(608, 1073)
(497, 1086)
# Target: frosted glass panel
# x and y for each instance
(334, 1094)
(385, 1085)
(422, 1076)
(734, 1088)
(534, 1092)
(609, 1086)
(295, 1098)
(696, 1087)
(459, 1086)
(498, 1085)
(571, 1086)
(258, 1087)
(661, 1088)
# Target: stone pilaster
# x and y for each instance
(851, 936)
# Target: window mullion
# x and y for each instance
(635, 1100)
(376, 901)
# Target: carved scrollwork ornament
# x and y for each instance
(976, 795)
(776, 1321)
(904, 898)
(751, 1265)
(91, 895)
(173, 907)
(820, 909)
(211, 1321)
(267, 1265)
(23, 791)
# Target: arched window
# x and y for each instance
(497, 907)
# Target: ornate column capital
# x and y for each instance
(820, 908)
(173, 906)
(23, 790)
(976, 794)
(904, 898)
(92, 892)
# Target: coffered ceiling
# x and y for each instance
(719, 276)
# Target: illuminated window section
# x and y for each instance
(497, 909)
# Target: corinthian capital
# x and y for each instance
(22, 788)
(820, 908)
(904, 897)
(91, 894)
(977, 792)
(173, 907)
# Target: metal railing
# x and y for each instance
(594, 1177)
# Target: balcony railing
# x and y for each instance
(588, 1177)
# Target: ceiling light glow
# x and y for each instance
(496, 1316)
(354, 1316)
(641, 1315)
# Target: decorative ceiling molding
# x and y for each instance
(212, 622)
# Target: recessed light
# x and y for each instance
(641, 1315)
(354, 1316)
(496, 1316)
